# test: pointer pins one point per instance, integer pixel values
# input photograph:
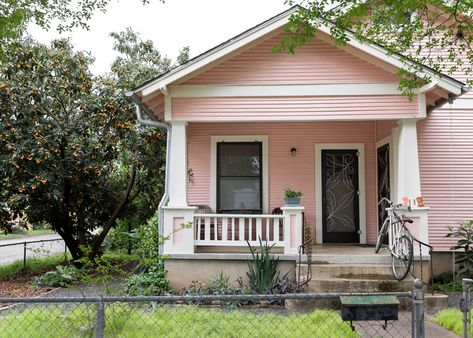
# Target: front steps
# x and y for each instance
(368, 272)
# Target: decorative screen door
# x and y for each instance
(340, 196)
(384, 187)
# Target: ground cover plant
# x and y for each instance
(451, 319)
(171, 321)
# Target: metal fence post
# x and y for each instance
(418, 325)
(24, 256)
(465, 306)
(100, 323)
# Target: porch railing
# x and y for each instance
(236, 229)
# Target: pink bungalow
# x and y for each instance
(245, 123)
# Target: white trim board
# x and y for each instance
(318, 186)
(285, 90)
(213, 164)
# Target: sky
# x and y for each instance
(199, 24)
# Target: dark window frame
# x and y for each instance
(260, 176)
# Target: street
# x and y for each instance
(13, 253)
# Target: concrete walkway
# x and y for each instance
(13, 253)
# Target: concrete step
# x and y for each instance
(350, 271)
(358, 285)
(349, 259)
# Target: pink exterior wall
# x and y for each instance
(383, 129)
(284, 170)
(317, 62)
(211, 109)
(446, 169)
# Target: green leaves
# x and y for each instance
(438, 34)
(262, 272)
(463, 231)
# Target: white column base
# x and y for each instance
(180, 240)
(292, 229)
(420, 228)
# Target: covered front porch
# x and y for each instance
(383, 162)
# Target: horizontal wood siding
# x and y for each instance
(285, 170)
(317, 62)
(383, 129)
(446, 168)
(206, 109)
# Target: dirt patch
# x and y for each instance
(20, 286)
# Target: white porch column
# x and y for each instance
(407, 160)
(178, 165)
(292, 229)
(180, 238)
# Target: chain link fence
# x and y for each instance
(291, 315)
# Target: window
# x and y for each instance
(239, 177)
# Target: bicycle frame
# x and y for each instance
(395, 229)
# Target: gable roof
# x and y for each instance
(212, 56)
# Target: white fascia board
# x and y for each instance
(284, 90)
(217, 53)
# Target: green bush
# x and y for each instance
(262, 272)
(123, 237)
(218, 285)
(62, 276)
(463, 231)
(153, 282)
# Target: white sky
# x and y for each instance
(200, 24)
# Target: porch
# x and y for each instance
(225, 217)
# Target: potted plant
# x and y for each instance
(292, 197)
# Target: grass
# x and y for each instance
(33, 265)
(179, 321)
(451, 319)
(26, 233)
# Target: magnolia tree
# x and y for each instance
(428, 32)
(71, 153)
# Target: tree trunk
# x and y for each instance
(125, 199)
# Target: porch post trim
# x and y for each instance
(178, 165)
(318, 186)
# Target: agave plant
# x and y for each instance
(262, 272)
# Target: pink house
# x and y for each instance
(245, 123)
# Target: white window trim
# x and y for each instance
(318, 186)
(392, 184)
(213, 164)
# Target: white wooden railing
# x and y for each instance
(236, 230)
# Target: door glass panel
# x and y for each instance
(340, 192)
(383, 182)
(239, 184)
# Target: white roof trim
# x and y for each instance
(269, 26)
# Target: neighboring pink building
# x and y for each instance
(329, 121)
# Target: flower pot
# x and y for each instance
(292, 201)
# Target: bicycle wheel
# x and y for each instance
(402, 257)
(381, 235)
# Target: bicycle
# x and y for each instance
(399, 239)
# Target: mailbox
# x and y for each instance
(362, 308)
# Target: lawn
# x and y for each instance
(33, 265)
(451, 319)
(177, 321)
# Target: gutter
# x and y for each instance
(151, 122)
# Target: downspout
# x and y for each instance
(151, 122)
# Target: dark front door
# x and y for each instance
(340, 214)
(384, 188)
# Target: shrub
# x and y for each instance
(123, 237)
(62, 276)
(463, 231)
(153, 282)
(263, 269)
